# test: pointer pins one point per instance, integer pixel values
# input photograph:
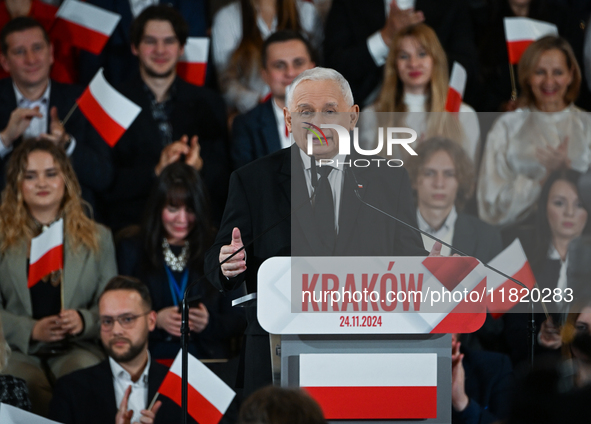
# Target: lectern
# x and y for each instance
(368, 337)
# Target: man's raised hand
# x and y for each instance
(237, 264)
(18, 123)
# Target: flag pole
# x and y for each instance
(69, 114)
(513, 85)
(153, 401)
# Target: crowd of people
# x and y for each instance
(203, 170)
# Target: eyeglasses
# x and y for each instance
(126, 321)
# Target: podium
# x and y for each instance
(367, 337)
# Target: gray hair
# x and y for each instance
(320, 74)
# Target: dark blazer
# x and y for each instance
(265, 192)
(351, 22)
(116, 58)
(87, 396)
(225, 322)
(195, 111)
(488, 384)
(254, 135)
(91, 157)
(476, 238)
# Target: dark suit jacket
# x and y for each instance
(267, 190)
(91, 157)
(87, 396)
(254, 135)
(488, 384)
(116, 58)
(195, 111)
(225, 322)
(476, 238)
(351, 22)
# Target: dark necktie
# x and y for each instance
(324, 212)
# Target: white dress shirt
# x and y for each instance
(284, 136)
(445, 232)
(138, 399)
(336, 179)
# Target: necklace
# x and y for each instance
(175, 263)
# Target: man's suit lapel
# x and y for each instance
(349, 208)
(464, 237)
(268, 126)
(156, 375)
(105, 389)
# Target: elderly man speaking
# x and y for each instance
(333, 222)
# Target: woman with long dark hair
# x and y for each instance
(238, 32)
(167, 254)
(561, 217)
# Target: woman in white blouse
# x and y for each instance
(416, 81)
(545, 134)
(238, 32)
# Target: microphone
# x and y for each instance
(313, 175)
(356, 190)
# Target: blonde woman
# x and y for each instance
(416, 81)
(547, 133)
(49, 327)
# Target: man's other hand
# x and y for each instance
(17, 124)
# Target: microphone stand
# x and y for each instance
(532, 324)
(185, 330)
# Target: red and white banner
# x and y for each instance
(372, 386)
(47, 253)
(457, 85)
(208, 396)
(86, 26)
(521, 32)
(109, 112)
(192, 65)
(504, 293)
(371, 295)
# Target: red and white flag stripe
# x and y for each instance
(513, 262)
(109, 112)
(85, 25)
(521, 32)
(457, 85)
(47, 253)
(192, 65)
(208, 396)
(372, 386)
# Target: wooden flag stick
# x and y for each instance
(513, 84)
(69, 114)
(153, 401)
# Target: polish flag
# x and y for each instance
(457, 85)
(84, 25)
(193, 63)
(372, 386)
(521, 32)
(47, 253)
(109, 112)
(208, 396)
(513, 262)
